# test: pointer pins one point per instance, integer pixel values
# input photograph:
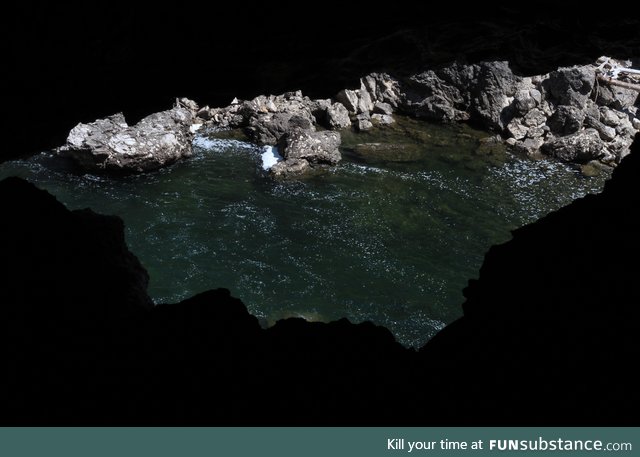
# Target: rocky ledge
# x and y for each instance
(111, 145)
(574, 114)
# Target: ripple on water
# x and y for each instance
(392, 243)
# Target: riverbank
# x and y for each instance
(571, 114)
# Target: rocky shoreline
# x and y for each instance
(570, 114)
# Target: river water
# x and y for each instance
(391, 235)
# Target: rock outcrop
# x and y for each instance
(110, 145)
(554, 113)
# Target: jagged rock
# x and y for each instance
(268, 129)
(349, 99)
(387, 88)
(337, 116)
(382, 108)
(618, 98)
(534, 118)
(516, 129)
(491, 95)
(365, 104)
(606, 133)
(571, 86)
(430, 97)
(566, 120)
(524, 102)
(314, 147)
(580, 147)
(609, 117)
(110, 145)
(383, 119)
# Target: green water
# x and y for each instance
(387, 237)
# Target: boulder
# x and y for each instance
(618, 98)
(349, 98)
(516, 129)
(571, 86)
(314, 147)
(580, 147)
(337, 116)
(606, 133)
(382, 108)
(110, 145)
(535, 118)
(523, 102)
(491, 93)
(268, 129)
(566, 120)
(289, 168)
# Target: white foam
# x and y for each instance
(217, 144)
(270, 157)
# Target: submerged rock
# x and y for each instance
(110, 145)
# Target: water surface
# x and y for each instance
(390, 237)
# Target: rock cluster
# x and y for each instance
(290, 121)
(567, 113)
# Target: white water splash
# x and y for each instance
(217, 144)
(270, 157)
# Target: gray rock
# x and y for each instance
(609, 117)
(268, 129)
(529, 146)
(382, 108)
(110, 145)
(516, 129)
(363, 122)
(430, 97)
(618, 98)
(370, 84)
(382, 119)
(337, 116)
(387, 88)
(571, 86)
(535, 132)
(491, 93)
(289, 168)
(535, 118)
(523, 102)
(566, 120)
(349, 99)
(606, 133)
(580, 147)
(314, 147)
(365, 104)
(635, 122)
